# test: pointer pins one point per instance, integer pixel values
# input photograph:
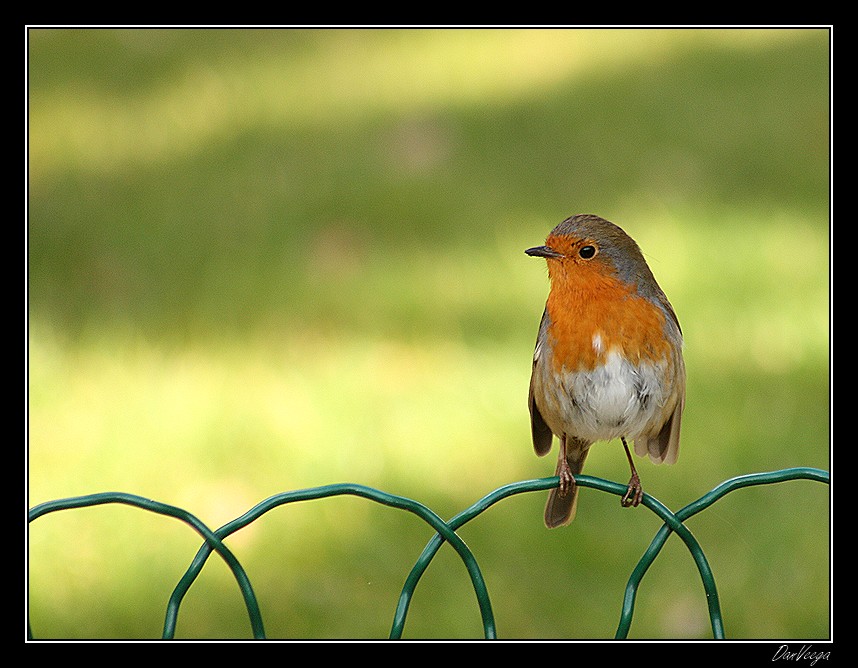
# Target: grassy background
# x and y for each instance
(263, 260)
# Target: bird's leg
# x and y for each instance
(634, 494)
(567, 480)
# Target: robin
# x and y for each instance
(608, 359)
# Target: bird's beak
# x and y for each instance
(543, 251)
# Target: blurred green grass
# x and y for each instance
(261, 260)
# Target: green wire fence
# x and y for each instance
(445, 532)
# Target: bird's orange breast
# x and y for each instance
(592, 313)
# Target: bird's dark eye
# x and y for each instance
(587, 252)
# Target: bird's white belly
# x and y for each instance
(613, 400)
